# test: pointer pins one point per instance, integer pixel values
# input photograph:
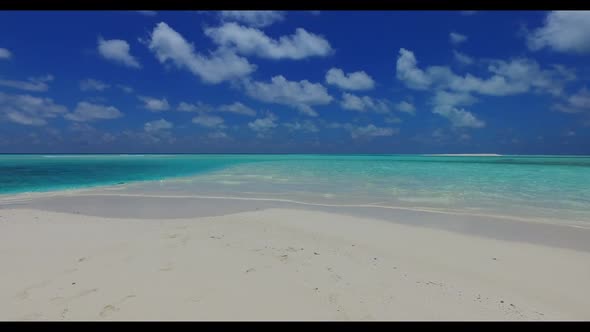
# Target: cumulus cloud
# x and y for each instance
(200, 107)
(157, 126)
(452, 92)
(447, 104)
(518, 75)
(28, 110)
(365, 132)
(407, 71)
(85, 112)
(463, 58)
(210, 121)
(33, 84)
(300, 95)
(263, 125)
(154, 132)
(358, 80)
(371, 131)
(197, 107)
(125, 88)
(93, 85)
(252, 41)
(459, 117)
(405, 107)
(88, 135)
(237, 108)
(445, 98)
(457, 38)
(117, 50)
(223, 64)
(5, 54)
(576, 103)
(305, 126)
(255, 18)
(218, 135)
(155, 104)
(392, 119)
(526, 72)
(363, 104)
(563, 31)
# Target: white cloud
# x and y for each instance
(255, 18)
(444, 98)
(147, 12)
(220, 65)
(218, 135)
(408, 71)
(85, 133)
(210, 121)
(237, 108)
(34, 84)
(252, 41)
(300, 95)
(125, 88)
(149, 138)
(457, 38)
(154, 104)
(117, 50)
(439, 134)
(459, 117)
(200, 107)
(392, 119)
(5, 54)
(526, 72)
(363, 104)
(157, 126)
(263, 125)
(580, 99)
(563, 31)
(405, 107)
(86, 111)
(365, 132)
(305, 126)
(28, 110)
(446, 105)
(371, 131)
(358, 80)
(516, 76)
(93, 85)
(463, 58)
(576, 103)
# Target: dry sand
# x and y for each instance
(276, 264)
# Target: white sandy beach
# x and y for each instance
(276, 264)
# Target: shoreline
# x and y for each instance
(8, 199)
(146, 206)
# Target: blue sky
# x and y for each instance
(295, 82)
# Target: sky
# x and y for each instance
(508, 82)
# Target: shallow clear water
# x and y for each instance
(537, 186)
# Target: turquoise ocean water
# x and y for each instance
(532, 186)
